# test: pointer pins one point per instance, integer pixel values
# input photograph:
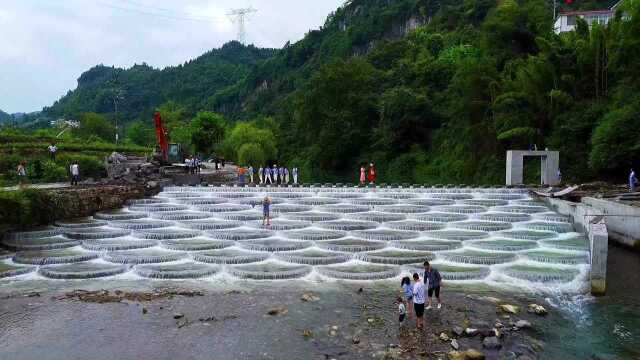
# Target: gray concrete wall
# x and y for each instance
(623, 221)
(586, 219)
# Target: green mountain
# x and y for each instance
(4, 116)
(431, 90)
(137, 91)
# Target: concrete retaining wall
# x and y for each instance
(623, 221)
(588, 220)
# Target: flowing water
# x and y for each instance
(496, 238)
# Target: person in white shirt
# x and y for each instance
(74, 169)
(53, 150)
(418, 300)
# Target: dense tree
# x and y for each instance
(208, 131)
(96, 126)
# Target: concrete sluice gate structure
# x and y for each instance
(498, 237)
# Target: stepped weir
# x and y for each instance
(495, 236)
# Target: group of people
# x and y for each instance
(194, 164)
(368, 175)
(269, 175)
(418, 293)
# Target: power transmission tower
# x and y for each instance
(240, 17)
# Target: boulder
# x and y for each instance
(457, 355)
(537, 309)
(491, 343)
(523, 324)
(511, 309)
(457, 330)
(471, 332)
(473, 354)
(454, 344)
(444, 337)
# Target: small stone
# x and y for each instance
(444, 337)
(454, 344)
(307, 333)
(523, 324)
(333, 333)
(497, 333)
(144, 310)
(371, 320)
(280, 310)
(457, 355)
(309, 297)
(511, 309)
(491, 299)
(471, 332)
(334, 327)
(355, 340)
(457, 330)
(537, 309)
(498, 325)
(473, 354)
(491, 342)
(178, 316)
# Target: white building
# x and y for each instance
(566, 21)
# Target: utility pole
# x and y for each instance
(240, 17)
(116, 97)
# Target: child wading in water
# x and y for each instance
(266, 205)
(407, 289)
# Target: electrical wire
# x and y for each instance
(165, 16)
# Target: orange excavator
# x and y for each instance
(166, 153)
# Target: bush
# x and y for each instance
(25, 208)
(90, 166)
(251, 154)
(51, 172)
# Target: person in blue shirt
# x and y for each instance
(274, 172)
(407, 290)
(286, 176)
(433, 279)
(267, 175)
(633, 181)
(281, 172)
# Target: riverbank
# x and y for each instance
(253, 321)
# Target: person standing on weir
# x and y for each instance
(633, 181)
(372, 174)
(363, 175)
(74, 169)
(267, 175)
(274, 172)
(295, 175)
(261, 174)
(250, 172)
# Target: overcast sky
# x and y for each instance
(46, 44)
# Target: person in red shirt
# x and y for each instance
(372, 174)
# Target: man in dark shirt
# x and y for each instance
(433, 280)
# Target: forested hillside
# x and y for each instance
(432, 91)
(4, 116)
(141, 88)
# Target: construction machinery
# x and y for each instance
(166, 153)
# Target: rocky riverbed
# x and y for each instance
(253, 321)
